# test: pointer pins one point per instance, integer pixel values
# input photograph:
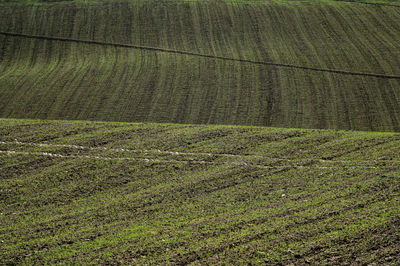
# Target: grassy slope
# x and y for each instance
(233, 194)
(54, 80)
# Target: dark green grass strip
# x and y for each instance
(157, 49)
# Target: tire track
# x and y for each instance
(56, 155)
(231, 155)
(205, 253)
(306, 163)
(157, 49)
(147, 160)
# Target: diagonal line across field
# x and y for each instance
(368, 3)
(157, 49)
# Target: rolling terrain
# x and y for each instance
(304, 64)
(154, 180)
(122, 193)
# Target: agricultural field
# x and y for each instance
(153, 132)
(141, 193)
(300, 64)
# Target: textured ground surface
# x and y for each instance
(69, 80)
(85, 192)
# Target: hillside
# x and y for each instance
(97, 192)
(292, 48)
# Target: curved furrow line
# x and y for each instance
(120, 92)
(156, 49)
(160, 98)
(38, 99)
(76, 80)
(257, 221)
(177, 99)
(26, 59)
(75, 72)
(51, 81)
(193, 256)
(384, 35)
(375, 110)
(138, 72)
(6, 60)
(370, 47)
(103, 91)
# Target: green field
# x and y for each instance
(223, 132)
(97, 192)
(52, 79)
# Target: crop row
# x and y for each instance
(57, 80)
(80, 208)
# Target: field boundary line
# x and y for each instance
(165, 50)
